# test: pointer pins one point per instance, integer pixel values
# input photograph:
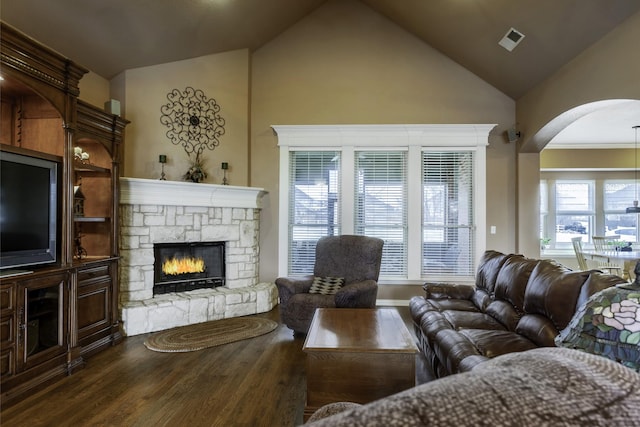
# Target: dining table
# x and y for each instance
(628, 258)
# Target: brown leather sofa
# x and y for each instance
(517, 304)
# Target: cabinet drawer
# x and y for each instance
(6, 363)
(7, 300)
(93, 275)
(6, 331)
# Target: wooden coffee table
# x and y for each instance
(357, 355)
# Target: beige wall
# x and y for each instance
(589, 159)
(609, 69)
(94, 89)
(223, 77)
(528, 227)
(345, 64)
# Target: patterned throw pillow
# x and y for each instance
(326, 285)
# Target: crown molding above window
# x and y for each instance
(431, 135)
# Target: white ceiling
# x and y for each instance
(111, 36)
(608, 128)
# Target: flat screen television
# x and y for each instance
(29, 193)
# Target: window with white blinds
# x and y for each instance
(447, 213)
(381, 205)
(587, 207)
(421, 188)
(575, 209)
(618, 196)
(314, 208)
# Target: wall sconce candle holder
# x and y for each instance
(225, 166)
(162, 159)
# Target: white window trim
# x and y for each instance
(414, 138)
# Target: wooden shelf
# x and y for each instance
(90, 219)
(87, 170)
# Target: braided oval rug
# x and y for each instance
(209, 334)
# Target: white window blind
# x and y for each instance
(447, 211)
(381, 205)
(575, 209)
(314, 210)
(618, 196)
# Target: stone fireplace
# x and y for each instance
(154, 214)
(179, 267)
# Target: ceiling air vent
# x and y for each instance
(511, 39)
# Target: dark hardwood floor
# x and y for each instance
(255, 382)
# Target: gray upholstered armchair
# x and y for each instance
(354, 259)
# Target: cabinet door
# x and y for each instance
(94, 303)
(7, 330)
(42, 317)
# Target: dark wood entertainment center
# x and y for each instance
(55, 316)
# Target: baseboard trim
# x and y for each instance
(393, 302)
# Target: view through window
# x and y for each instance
(380, 207)
(587, 207)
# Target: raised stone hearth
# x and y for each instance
(154, 211)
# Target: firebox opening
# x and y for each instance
(180, 267)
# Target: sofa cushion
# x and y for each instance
(512, 280)
(453, 304)
(481, 299)
(488, 268)
(418, 306)
(505, 313)
(432, 323)
(471, 320)
(439, 290)
(553, 291)
(452, 347)
(538, 329)
(492, 343)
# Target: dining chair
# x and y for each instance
(577, 248)
(582, 261)
(600, 245)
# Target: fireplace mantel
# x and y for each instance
(140, 191)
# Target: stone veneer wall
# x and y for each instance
(146, 218)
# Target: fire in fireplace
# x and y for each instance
(180, 267)
(177, 266)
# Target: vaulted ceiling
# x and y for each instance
(111, 36)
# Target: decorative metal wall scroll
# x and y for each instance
(193, 120)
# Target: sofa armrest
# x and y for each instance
(289, 286)
(436, 290)
(357, 295)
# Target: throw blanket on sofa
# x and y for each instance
(540, 387)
